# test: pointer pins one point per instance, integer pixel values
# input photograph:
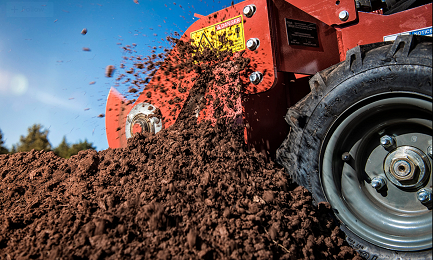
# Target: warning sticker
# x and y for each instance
(423, 31)
(227, 35)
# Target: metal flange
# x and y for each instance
(142, 118)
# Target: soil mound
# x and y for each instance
(189, 192)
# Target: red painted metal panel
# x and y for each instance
(302, 59)
(372, 27)
(327, 11)
(265, 127)
(115, 118)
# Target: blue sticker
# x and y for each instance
(423, 31)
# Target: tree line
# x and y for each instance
(37, 138)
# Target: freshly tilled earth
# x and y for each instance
(189, 192)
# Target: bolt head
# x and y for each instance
(387, 141)
(378, 183)
(253, 44)
(249, 10)
(343, 15)
(256, 77)
(424, 195)
(345, 157)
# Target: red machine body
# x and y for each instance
(297, 39)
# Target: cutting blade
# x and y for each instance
(116, 112)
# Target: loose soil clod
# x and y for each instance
(109, 70)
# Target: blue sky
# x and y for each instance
(45, 75)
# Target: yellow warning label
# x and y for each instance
(227, 35)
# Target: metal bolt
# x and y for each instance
(343, 15)
(345, 157)
(430, 151)
(424, 195)
(378, 183)
(249, 10)
(387, 141)
(253, 44)
(256, 77)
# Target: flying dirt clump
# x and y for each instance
(109, 70)
(188, 80)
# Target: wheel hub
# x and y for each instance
(140, 124)
(142, 119)
(384, 173)
(406, 167)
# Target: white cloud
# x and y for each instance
(52, 100)
(5, 78)
(16, 84)
(19, 84)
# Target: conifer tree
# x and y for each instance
(64, 149)
(37, 138)
(3, 149)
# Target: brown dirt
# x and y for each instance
(189, 192)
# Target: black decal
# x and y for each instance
(302, 33)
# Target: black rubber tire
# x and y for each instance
(402, 67)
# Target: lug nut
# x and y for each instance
(430, 151)
(249, 10)
(345, 157)
(387, 141)
(256, 77)
(343, 15)
(378, 183)
(424, 196)
(253, 44)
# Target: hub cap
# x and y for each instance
(406, 167)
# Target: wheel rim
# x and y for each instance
(392, 217)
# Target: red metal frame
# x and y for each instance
(328, 11)
(372, 27)
(284, 66)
